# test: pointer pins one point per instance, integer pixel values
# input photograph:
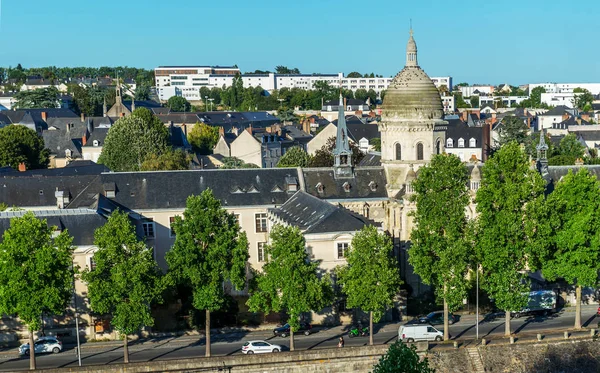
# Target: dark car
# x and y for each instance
(435, 318)
(284, 330)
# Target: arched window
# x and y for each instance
(438, 146)
(420, 151)
(398, 152)
(461, 143)
(472, 143)
(449, 143)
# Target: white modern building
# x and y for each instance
(594, 88)
(476, 90)
(507, 101)
(558, 99)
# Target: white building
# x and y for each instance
(508, 101)
(442, 80)
(594, 88)
(476, 90)
(558, 99)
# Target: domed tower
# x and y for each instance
(412, 126)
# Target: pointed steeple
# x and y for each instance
(542, 154)
(411, 51)
(342, 153)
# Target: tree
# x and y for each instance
(19, 144)
(443, 89)
(324, 156)
(142, 92)
(440, 252)
(583, 99)
(507, 199)
(209, 249)
(371, 279)
(294, 157)
(463, 84)
(36, 275)
(37, 98)
(474, 101)
(574, 224)
(532, 142)
(203, 137)
(289, 281)
(130, 141)
(234, 162)
(169, 160)
(126, 279)
(285, 70)
(512, 129)
(460, 101)
(535, 97)
(286, 115)
(569, 146)
(354, 74)
(178, 103)
(401, 358)
(361, 94)
(375, 142)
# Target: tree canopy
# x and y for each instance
(19, 144)
(179, 104)
(203, 137)
(324, 156)
(169, 160)
(583, 99)
(234, 162)
(294, 157)
(401, 358)
(512, 128)
(37, 99)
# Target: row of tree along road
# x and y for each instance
(518, 228)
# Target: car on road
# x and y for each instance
(284, 330)
(259, 347)
(436, 318)
(411, 333)
(43, 345)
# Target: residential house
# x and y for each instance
(467, 140)
(556, 115)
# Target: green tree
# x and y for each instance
(571, 147)
(286, 115)
(130, 141)
(36, 275)
(474, 101)
(375, 142)
(142, 92)
(19, 144)
(361, 94)
(179, 104)
(37, 98)
(209, 249)
(289, 281)
(126, 279)
(574, 225)
(401, 358)
(535, 97)
(463, 84)
(294, 157)
(440, 252)
(169, 160)
(512, 129)
(459, 101)
(324, 156)
(371, 278)
(506, 201)
(583, 99)
(532, 142)
(234, 162)
(354, 74)
(203, 138)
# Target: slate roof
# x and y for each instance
(187, 118)
(357, 129)
(557, 111)
(371, 159)
(313, 215)
(333, 188)
(349, 102)
(555, 173)
(229, 137)
(571, 121)
(80, 223)
(457, 129)
(170, 189)
(596, 106)
(98, 134)
(589, 135)
(149, 104)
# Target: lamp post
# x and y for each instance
(76, 319)
(211, 101)
(280, 102)
(206, 103)
(477, 306)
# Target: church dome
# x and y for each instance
(412, 94)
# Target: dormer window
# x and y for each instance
(95, 143)
(292, 184)
(68, 153)
(449, 143)
(472, 143)
(461, 143)
(346, 187)
(320, 188)
(110, 190)
(373, 186)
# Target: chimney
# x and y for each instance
(44, 116)
(22, 167)
(84, 139)
(306, 126)
(82, 117)
(68, 127)
(221, 131)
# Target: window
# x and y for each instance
(261, 251)
(171, 221)
(148, 228)
(92, 264)
(342, 248)
(420, 151)
(438, 146)
(398, 152)
(260, 222)
(68, 153)
(472, 143)
(449, 143)
(474, 185)
(431, 329)
(461, 143)
(95, 143)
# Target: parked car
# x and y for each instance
(259, 347)
(437, 317)
(284, 330)
(43, 345)
(411, 333)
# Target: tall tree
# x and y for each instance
(583, 99)
(440, 253)
(512, 128)
(203, 138)
(401, 358)
(19, 144)
(371, 278)
(571, 147)
(126, 279)
(209, 249)
(574, 226)
(36, 275)
(289, 281)
(354, 74)
(506, 200)
(535, 96)
(37, 98)
(294, 157)
(131, 140)
(169, 160)
(179, 104)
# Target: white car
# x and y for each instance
(259, 347)
(43, 345)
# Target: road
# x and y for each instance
(189, 347)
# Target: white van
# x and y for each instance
(411, 333)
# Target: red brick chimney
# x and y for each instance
(84, 138)
(221, 131)
(22, 167)
(44, 116)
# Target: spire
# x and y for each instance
(411, 50)
(342, 153)
(542, 150)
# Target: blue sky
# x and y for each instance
(493, 42)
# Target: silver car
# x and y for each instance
(259, 347)
(43, 345)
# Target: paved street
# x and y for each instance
(187, 347)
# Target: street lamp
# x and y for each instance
(76, 318)
(211, 100)
(280, 101)
(477, 306)
(206, 105)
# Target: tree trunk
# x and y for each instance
(578, 307)
(507, 323)
(371, 328)
(31, 351)
(291, 338)
(125, 350)
(446, 323)
(207, 333)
